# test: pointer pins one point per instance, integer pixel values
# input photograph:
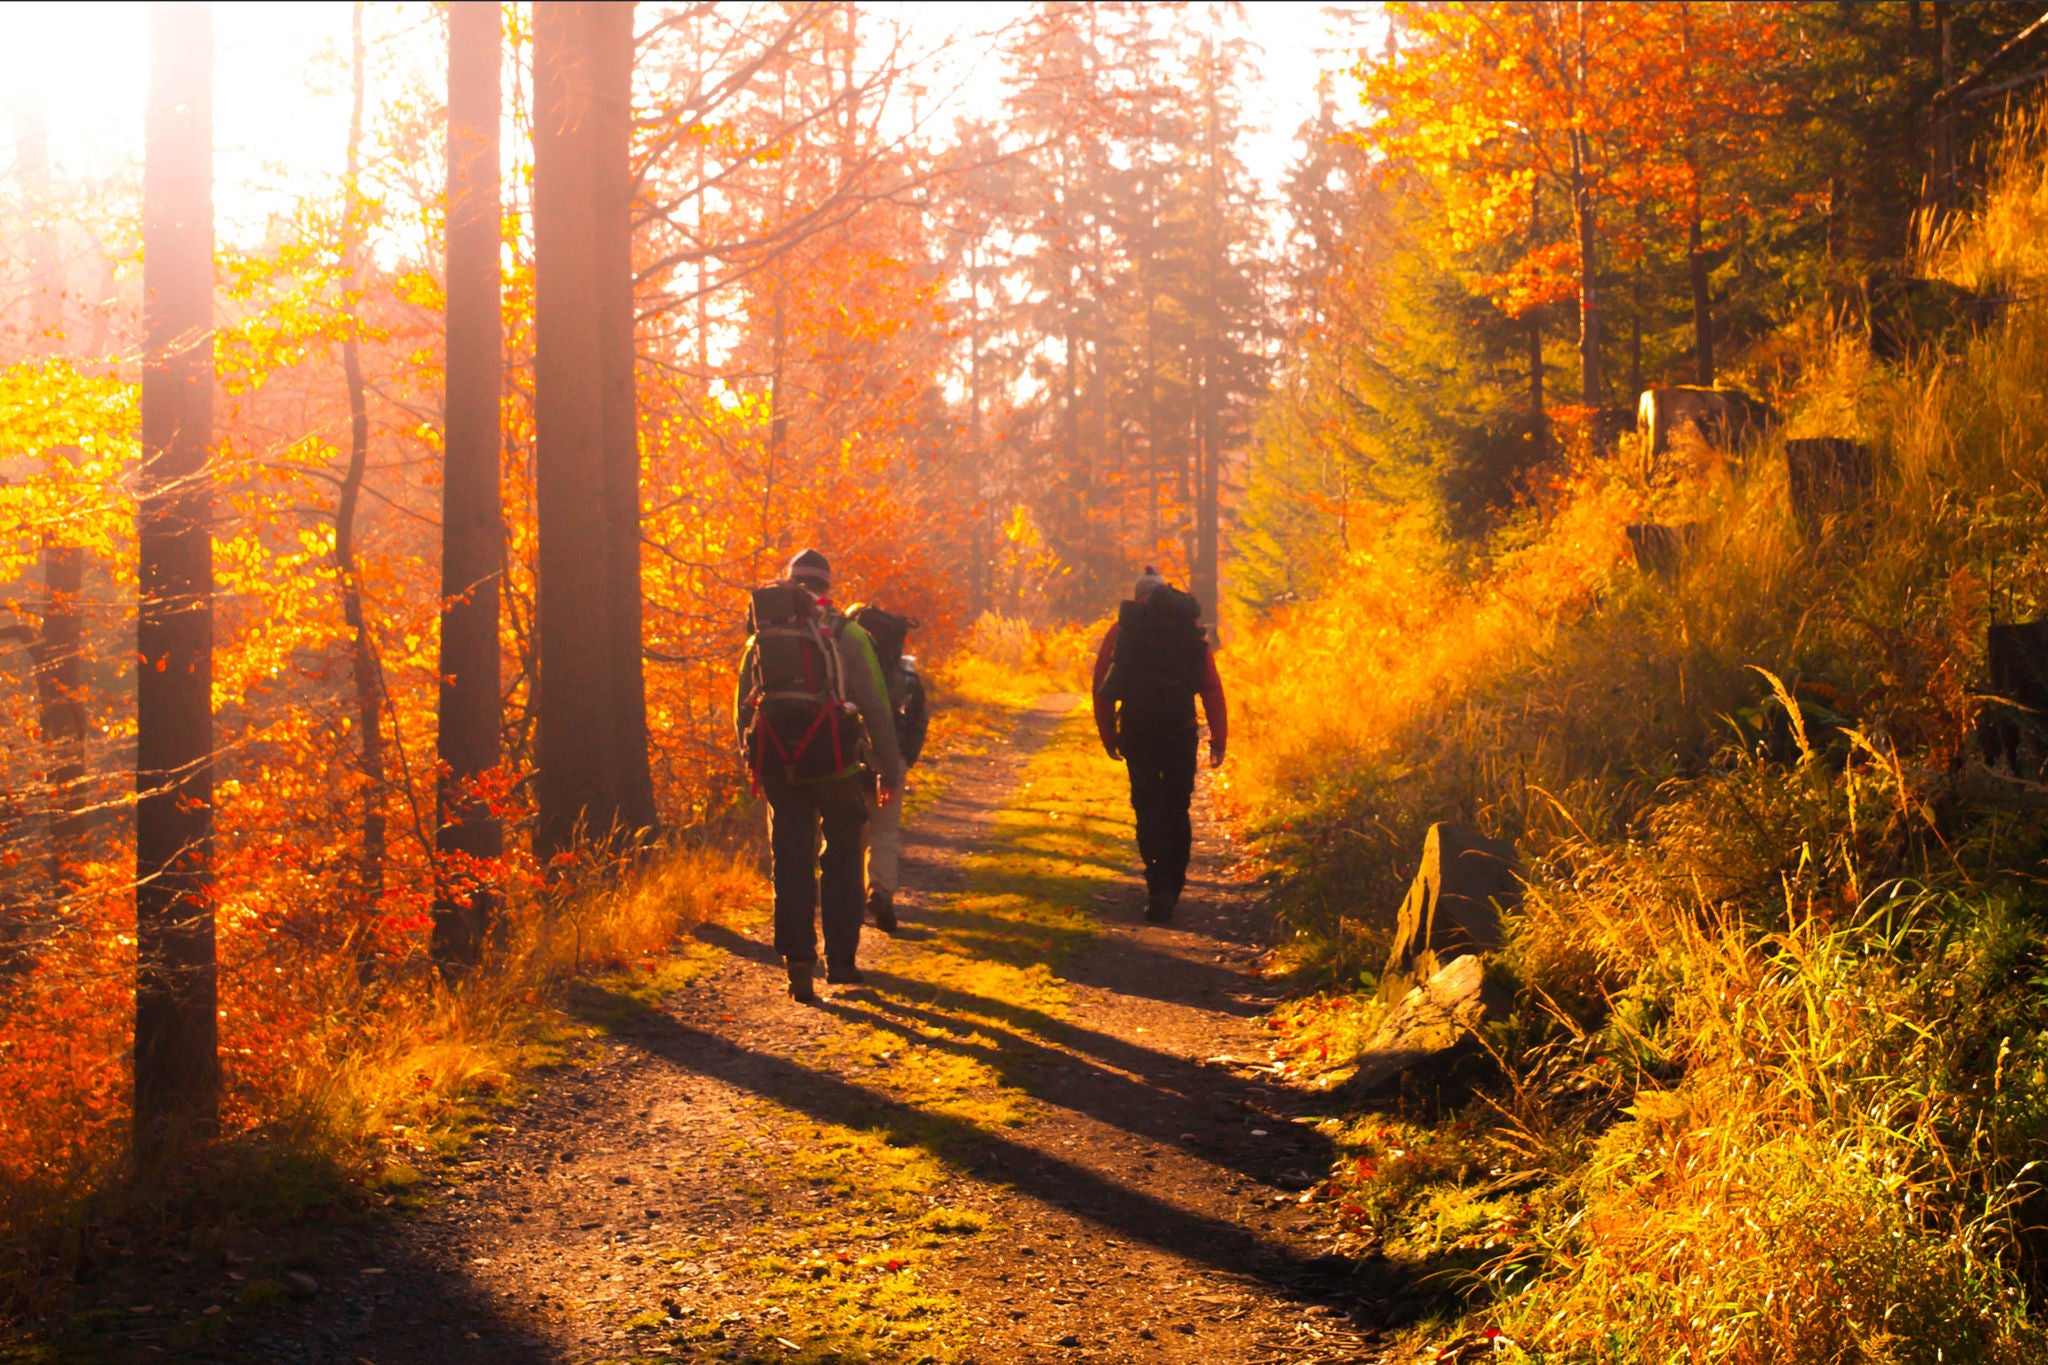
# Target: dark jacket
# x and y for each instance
(1213, 708)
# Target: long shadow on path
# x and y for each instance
(1126, 1212)
(1143, 1107)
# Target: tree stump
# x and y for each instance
(1906, 314)
(1662, 550)
(1826, 474)
(1724, 419)
(2013, 729)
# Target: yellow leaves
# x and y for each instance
(420, 289)
(75, 434)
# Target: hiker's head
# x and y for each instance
(812, 570)
(1147, 581)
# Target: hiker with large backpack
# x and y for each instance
(907, 705)
(814, 724)
(1151, 666)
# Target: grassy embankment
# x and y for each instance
(1778, 1074)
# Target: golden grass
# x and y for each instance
(1777, 1080)
(1009, 662)
(419, 1056)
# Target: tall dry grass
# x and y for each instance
(1008, 661)
(1781, 1046)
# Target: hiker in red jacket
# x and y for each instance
(1152, 665)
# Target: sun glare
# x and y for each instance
(280, 110)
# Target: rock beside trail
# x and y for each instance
(1453, 906)
(1432, 1020)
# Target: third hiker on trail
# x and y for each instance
(1152, 665)
(888, 633)
(814, 720)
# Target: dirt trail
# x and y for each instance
(913, 1171)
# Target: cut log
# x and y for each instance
(1453, 906)
(1724, 419)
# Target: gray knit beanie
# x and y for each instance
(809, 567)
(1147, 581)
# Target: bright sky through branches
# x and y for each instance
(281, 98)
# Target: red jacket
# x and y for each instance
(1212, 696)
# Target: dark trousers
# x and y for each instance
(1162, 784)
(810, 885)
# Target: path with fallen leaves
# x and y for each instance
(1027, 1136)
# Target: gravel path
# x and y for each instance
(914, 1170)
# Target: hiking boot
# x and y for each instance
(842, 974)
(882, 908)
(800, 983)
(1158, 906)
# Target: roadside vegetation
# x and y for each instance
(1775, 1086)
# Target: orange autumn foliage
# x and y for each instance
(849, 451)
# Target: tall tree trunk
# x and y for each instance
(1943, 171)
(468, 835)
(1208, 479)
(60, 704)
(1209, 459)
(1635, 307)
(365, 670)
(1073, 475)
(177, 1061)
(614, 50)
(593, 779)
(60, 643)
(1591, 390)
(981, 571)
(1539, 429)
(1702, 302)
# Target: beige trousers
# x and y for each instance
(885, 844)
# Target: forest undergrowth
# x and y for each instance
(1775, 1085)
(385, 1074)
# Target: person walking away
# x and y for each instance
(908, 706)
(813, 720)
(1152, 664)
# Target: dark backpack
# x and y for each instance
(1161, 662)
(888, 631)
(804, 726)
